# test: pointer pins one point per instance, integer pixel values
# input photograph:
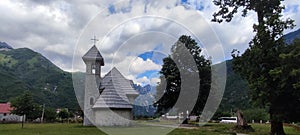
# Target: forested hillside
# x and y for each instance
(23, 69)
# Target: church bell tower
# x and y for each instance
(93, 61)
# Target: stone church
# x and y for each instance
(108, 101)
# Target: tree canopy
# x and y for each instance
(288, 76)
(259, 63)
(64, 114)
(186, 74)
(23, 105)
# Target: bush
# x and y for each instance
(50, 115)
(256, 115)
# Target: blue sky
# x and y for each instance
(292, 8)
(156, 57)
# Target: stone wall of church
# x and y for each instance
(91, 93)
(116, 117)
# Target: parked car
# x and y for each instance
(228, 119)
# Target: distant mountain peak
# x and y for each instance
(290, 37)
(4, 45)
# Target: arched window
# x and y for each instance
(93, 69)
(91, 101)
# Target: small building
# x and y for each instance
(108, 101)
(6, 115)
(5, 109)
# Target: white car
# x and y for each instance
(228, 120)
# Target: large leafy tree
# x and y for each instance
(64, 114)
(23, 105)
(179, 76)
(262, 57)
(288, 76)
(50, 114)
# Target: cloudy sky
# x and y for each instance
(134, 35)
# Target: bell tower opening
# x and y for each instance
(93, 69)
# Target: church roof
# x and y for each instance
(111, 98)
(117, 87)
(124, 84)
(93, 54)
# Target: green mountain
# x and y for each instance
(23, 69)
(290, 37)
(236, 94)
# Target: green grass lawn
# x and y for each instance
(226, 129)
(48, 129)
(77, 129)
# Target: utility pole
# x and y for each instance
(43, 112)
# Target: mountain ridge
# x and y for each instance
(24, 69)
(290, 37)
(4, 45)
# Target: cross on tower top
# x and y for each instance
(95, 40)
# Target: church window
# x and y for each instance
(91, 101)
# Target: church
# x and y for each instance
(108, 101)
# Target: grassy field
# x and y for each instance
(77, 129)
(226, 129)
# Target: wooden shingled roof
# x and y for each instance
(124, 84)
(93, 54)
(117, 87)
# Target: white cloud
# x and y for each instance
(132, 66)
(142, 81)
(131, 29)
(61, 49)
(138, 66)
(292, 11)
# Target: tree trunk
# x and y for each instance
(240, 119)
(23, 121)
(241, 124)
(276, 126)
(185, 121)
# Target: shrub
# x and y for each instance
(256, 114)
